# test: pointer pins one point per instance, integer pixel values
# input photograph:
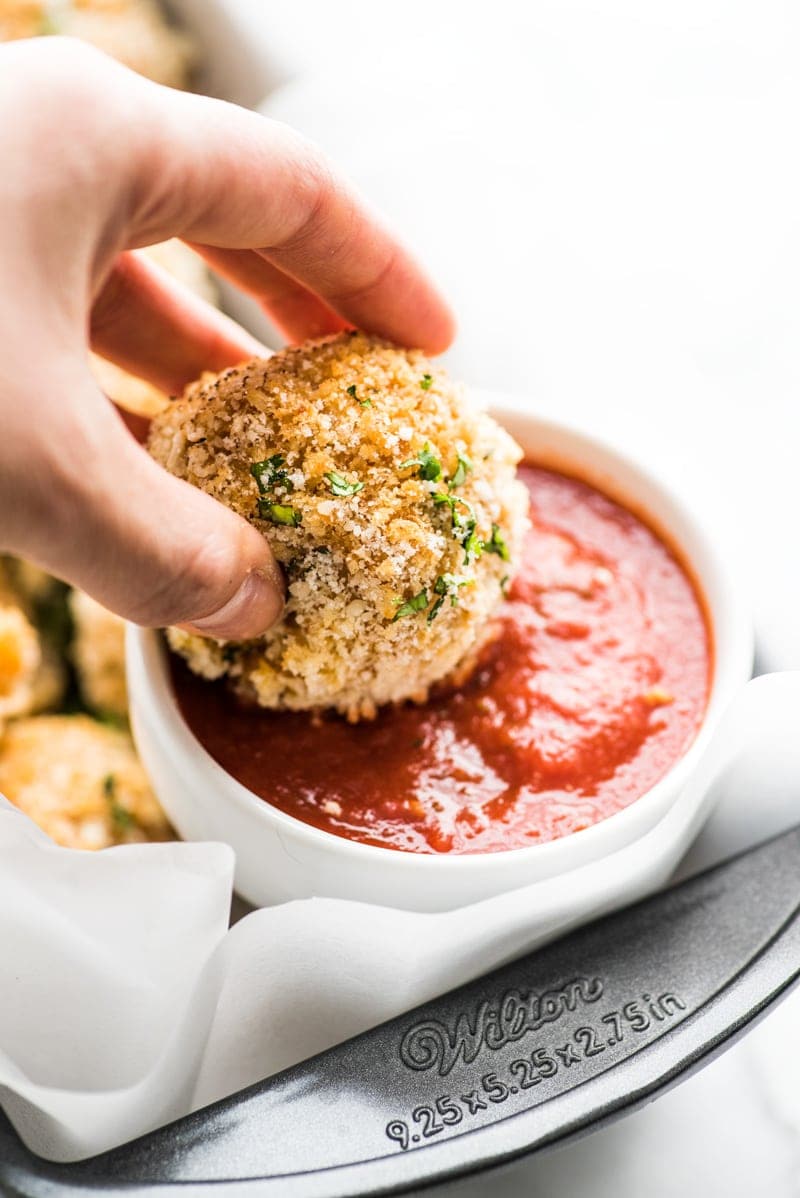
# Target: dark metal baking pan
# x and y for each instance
(549, 1047)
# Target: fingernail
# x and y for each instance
(253, 609)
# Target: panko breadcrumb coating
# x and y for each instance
(390, 501)
(80, 781)
(98, 653)
(135, 32)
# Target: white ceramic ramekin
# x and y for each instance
(280, 858)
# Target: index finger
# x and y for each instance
(217, 175)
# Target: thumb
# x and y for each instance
(148, 546)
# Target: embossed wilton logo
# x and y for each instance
(434, 1045)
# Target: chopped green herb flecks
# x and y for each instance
(279, 513)
(497, 544)
(437, 607)
(473, 548)
(426, 382)
(451, 584)
(340, 486)
(464, 526)
(353, 393)
(463, 468)
(119, 814)
(270, 474)
(411, 606)
(504, 581)
(447, 585)
(430, 468)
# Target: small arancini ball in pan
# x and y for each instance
(80, 781)
(98, 654)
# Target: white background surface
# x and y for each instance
(610, 193)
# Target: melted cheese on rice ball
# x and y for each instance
(391, 503)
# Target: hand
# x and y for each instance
(97, 162)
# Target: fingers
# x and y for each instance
(151, 325)
(89, 504)
(251, 183)
(295, 311)
(208, 172)
(138, 426)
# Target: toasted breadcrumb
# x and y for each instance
(365, 466)
(80, 781)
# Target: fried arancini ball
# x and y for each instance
(135, 32)
(98, 654)
(20, 659)
(32, 676)
(80, 781)
(391, 503)
(30, 584)
(21, 18)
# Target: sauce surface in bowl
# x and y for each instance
(594, 684)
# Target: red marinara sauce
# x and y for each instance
(594, 685)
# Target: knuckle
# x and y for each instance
(56, 75)
(60, 83)
(375, 278)
(191, 585)
(312, 189)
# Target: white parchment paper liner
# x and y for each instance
(126, 1002)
